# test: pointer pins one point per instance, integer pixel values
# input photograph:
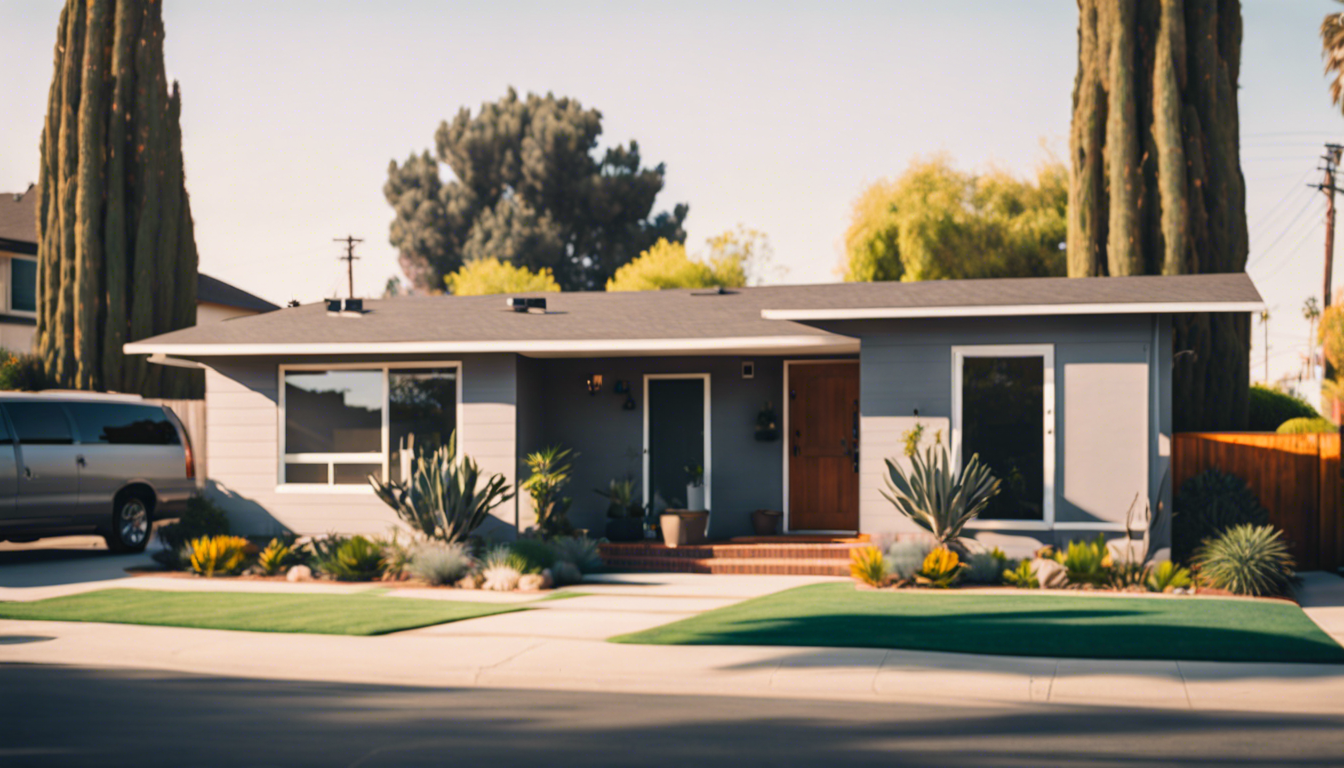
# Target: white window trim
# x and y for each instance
(709, 464)
(788, 364)
(7, 285)
(1048, 426)
(359, 458)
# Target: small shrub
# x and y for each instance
(1247, 560)
(536, 555)
(320, 549)
(396, 555)
(581, 551)
(501, 569)
(218, 555)
(1168, 577)
(941, 569)
(1086, 563)
(1023, 576)
(202, 517)
(564, 572)
(905, 558)
(276, 557)
(1307, 426)
(1208, 504)
(1268, 408)
(356, 559)
(986, 567)
(550, 469)
(439, 563)
(868, 566)
(23, 371)
(1129, 575)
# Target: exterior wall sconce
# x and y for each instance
(594, 383)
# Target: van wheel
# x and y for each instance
(130, 525)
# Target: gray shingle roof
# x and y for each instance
(583, 320)
(18, 216)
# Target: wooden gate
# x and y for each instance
(1296, 478)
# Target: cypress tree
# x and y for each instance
(1156, 184)
(116, 249)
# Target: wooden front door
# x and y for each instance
(823, 446)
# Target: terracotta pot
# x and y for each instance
(765, 522)
(625, 529)
(682, 527)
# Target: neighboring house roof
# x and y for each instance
(18, 232)
(18, 221)
(683, 321)
(215, 291)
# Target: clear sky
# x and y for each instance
(770, 114)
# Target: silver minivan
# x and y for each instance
(73, 463)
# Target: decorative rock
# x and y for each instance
(531, 582)
(565, 572)
(1050, 573)
(470, 581)
(500, 579)
(299, 573)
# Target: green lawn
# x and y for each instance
(368, 613)
(838, 615)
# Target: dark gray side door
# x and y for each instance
(48, 473)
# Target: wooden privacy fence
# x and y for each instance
(192, 415)
(1296, 478)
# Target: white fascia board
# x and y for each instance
(812, 343)
(1008, 310)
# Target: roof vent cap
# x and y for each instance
(521, 304)
(345, 307)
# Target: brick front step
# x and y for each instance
(754, 565)
(814, 559)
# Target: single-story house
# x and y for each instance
(215, 299)
(1062, 386)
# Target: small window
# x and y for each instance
(123, 424)
(40, 423)
(23, 285)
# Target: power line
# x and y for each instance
(1305, 208)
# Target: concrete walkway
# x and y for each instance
(561, 645)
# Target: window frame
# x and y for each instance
(384, 459)
(1048, 425)
(7, 284)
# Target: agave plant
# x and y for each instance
(867, 566)
(1247, 560)
(935, 497)
(550, 469)
(941, 569)
(1167, 577)
(1086, 563)
(277, 556)
(218, 555)
(1023, 576)
(356, 559)
(442, 500)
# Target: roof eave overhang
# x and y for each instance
(1011, 310)
(813, 344)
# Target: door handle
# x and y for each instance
(28, 473)
(80, 461)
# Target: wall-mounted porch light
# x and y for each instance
(594, 383)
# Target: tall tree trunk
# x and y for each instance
(1159, 189)
(114, 222)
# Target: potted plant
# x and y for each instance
(625, 516)
(695, 488)
(683, 526)
(765, 522)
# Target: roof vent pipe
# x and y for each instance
(345, 307)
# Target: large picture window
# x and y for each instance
(343, 424)
(1003, 411)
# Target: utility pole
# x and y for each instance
(1264, 321)
(350, 257)
(1327, 185)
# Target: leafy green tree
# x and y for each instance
(732, 259)
(528, 188)
(1156, 185)
(483, 277)
(116, 246)
(934, 222)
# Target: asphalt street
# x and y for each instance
(68, 716)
